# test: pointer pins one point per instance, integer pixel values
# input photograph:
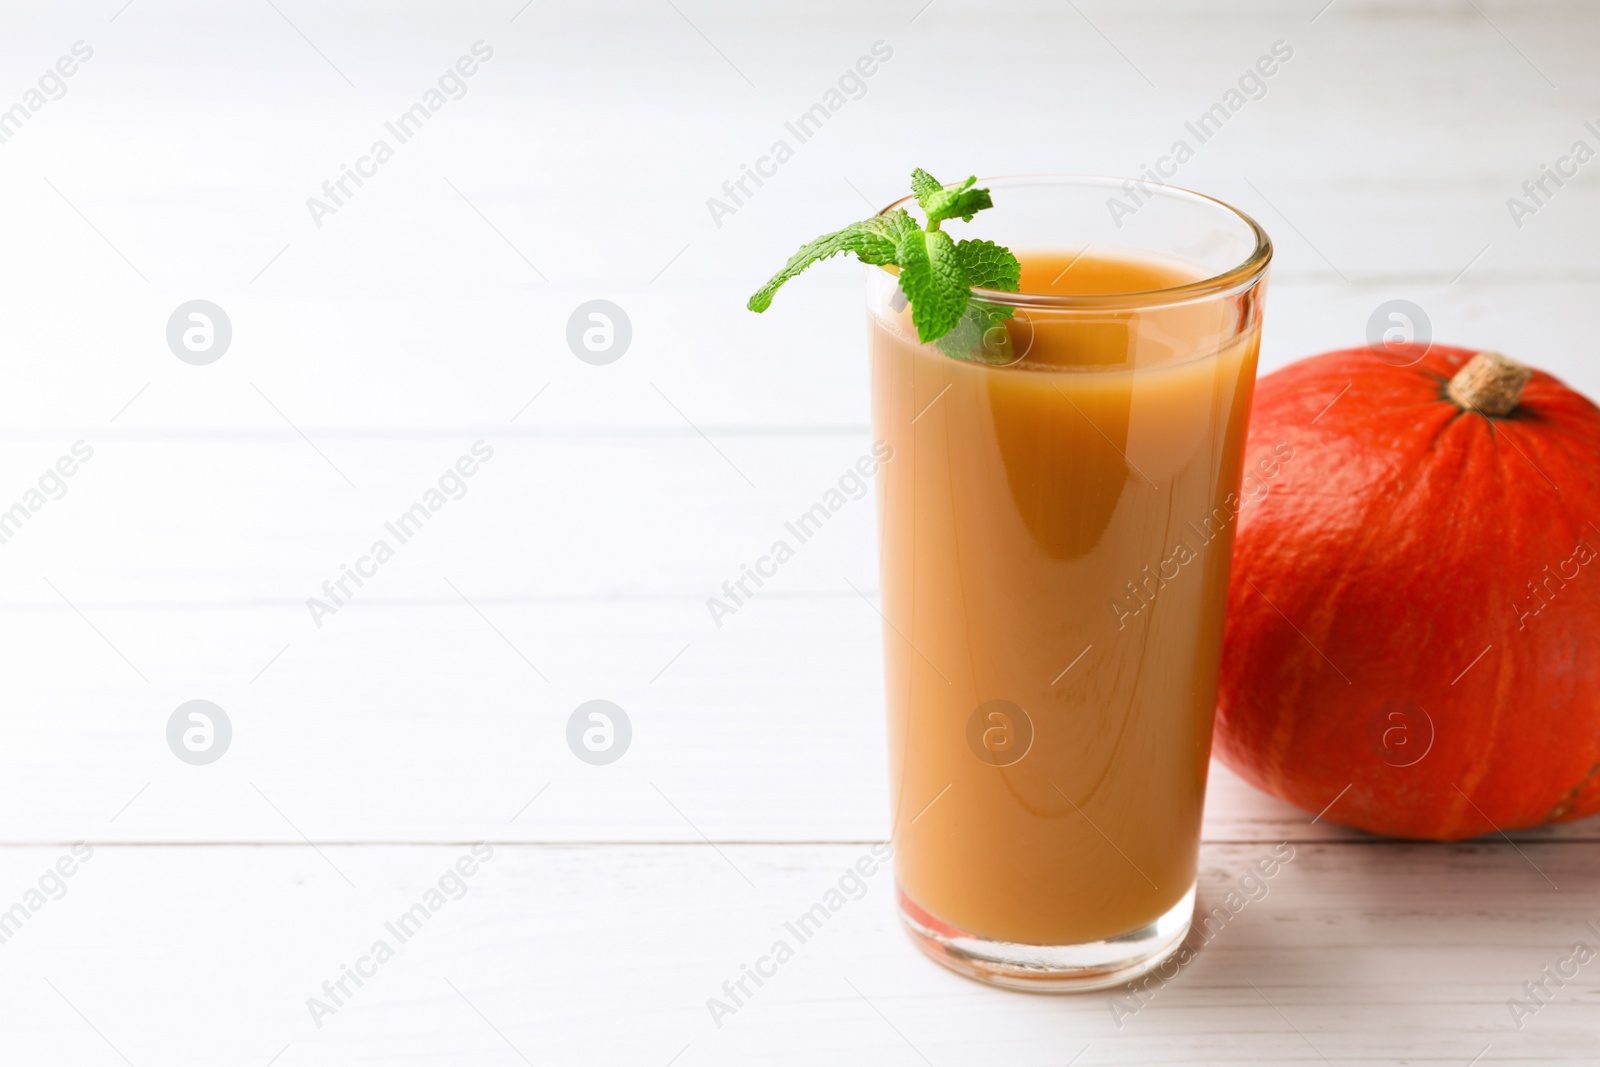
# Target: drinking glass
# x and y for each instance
(1056, 516)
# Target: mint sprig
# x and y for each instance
(872, 240)
(937, 273)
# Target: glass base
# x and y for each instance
(1049, 968)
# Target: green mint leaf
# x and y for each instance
(935, 200)
(872, 240)
(938, 203)
(932, 279)
(924, 185)
(937, 275)
(981, 335)
(961, 205)
(989, 266)
(892, 226)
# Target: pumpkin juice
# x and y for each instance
(1054, 539)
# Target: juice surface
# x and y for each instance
(1054, 547)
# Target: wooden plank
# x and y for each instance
(801, 365)
(1381, 954)
(425, 723)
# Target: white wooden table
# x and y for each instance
(429, 312)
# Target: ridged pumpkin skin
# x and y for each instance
(1403, 537)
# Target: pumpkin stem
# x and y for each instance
(1490, 384)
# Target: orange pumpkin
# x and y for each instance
(1413, 633)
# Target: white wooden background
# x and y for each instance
(427, 314)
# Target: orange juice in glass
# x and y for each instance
(1055, 529)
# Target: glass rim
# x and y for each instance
(1241, 276)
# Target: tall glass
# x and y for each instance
(1056, 519)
